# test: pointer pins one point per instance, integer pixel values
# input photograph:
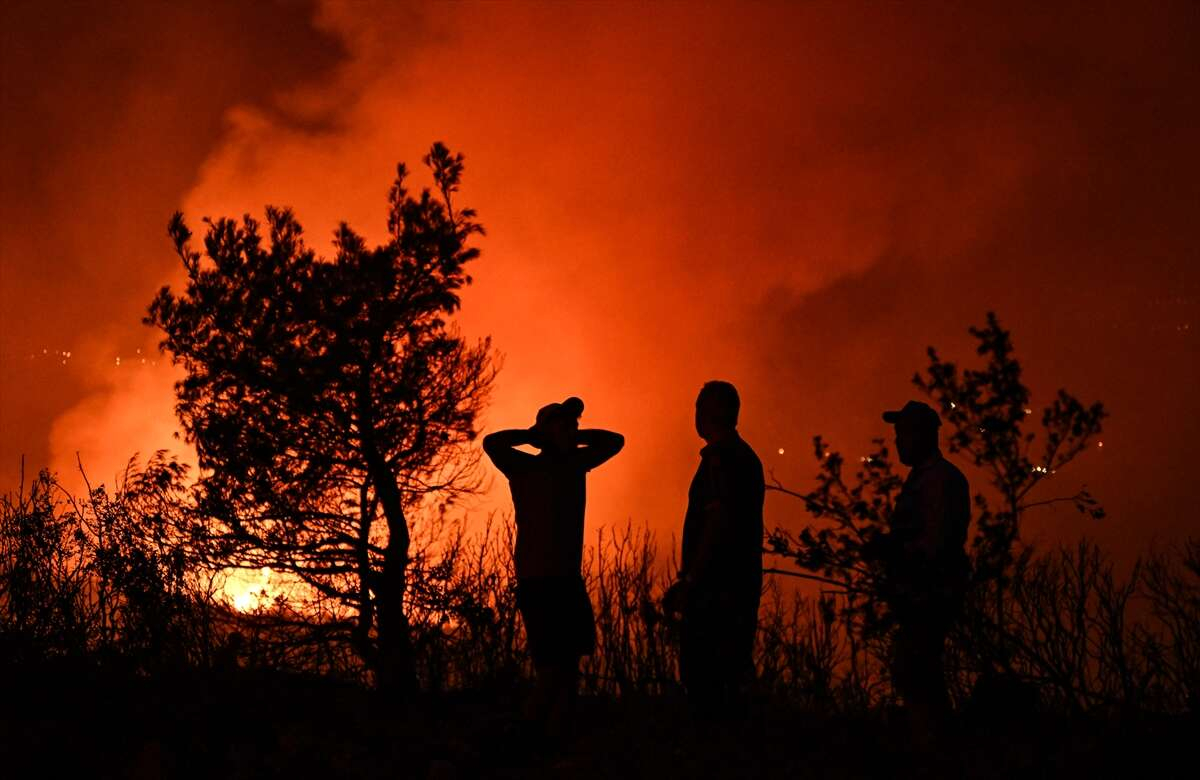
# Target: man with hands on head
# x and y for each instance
(549, 494)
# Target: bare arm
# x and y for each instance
(501, 447)
(597, 446)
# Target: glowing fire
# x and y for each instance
(247, 590)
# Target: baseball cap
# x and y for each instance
(914, 413)
(569, 409)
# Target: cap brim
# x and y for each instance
(892, 416)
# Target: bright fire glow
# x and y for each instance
(247, 590)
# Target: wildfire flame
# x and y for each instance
(247, 590)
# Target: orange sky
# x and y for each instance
(797, 199)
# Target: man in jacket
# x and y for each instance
(717, 593)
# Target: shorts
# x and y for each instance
(559, 623)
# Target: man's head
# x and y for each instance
(916, 431)
(717, 409)
(558, 424)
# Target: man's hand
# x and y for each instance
(536, 438)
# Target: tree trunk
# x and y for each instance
(396, 667)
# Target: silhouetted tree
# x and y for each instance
(986, 414)
(100, 574)
(855, 509)
(1171, 585)
(140, 573)
(330, 400)
(45, 588)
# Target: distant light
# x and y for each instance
(952, 406)
(781, 450)
(1099, 444)
(1028, 411)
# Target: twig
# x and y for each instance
(815, 578)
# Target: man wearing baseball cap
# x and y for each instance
(924, 563)
(549, 495)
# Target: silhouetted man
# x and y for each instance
(924, 563)
(549, 495)
(716, 596)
